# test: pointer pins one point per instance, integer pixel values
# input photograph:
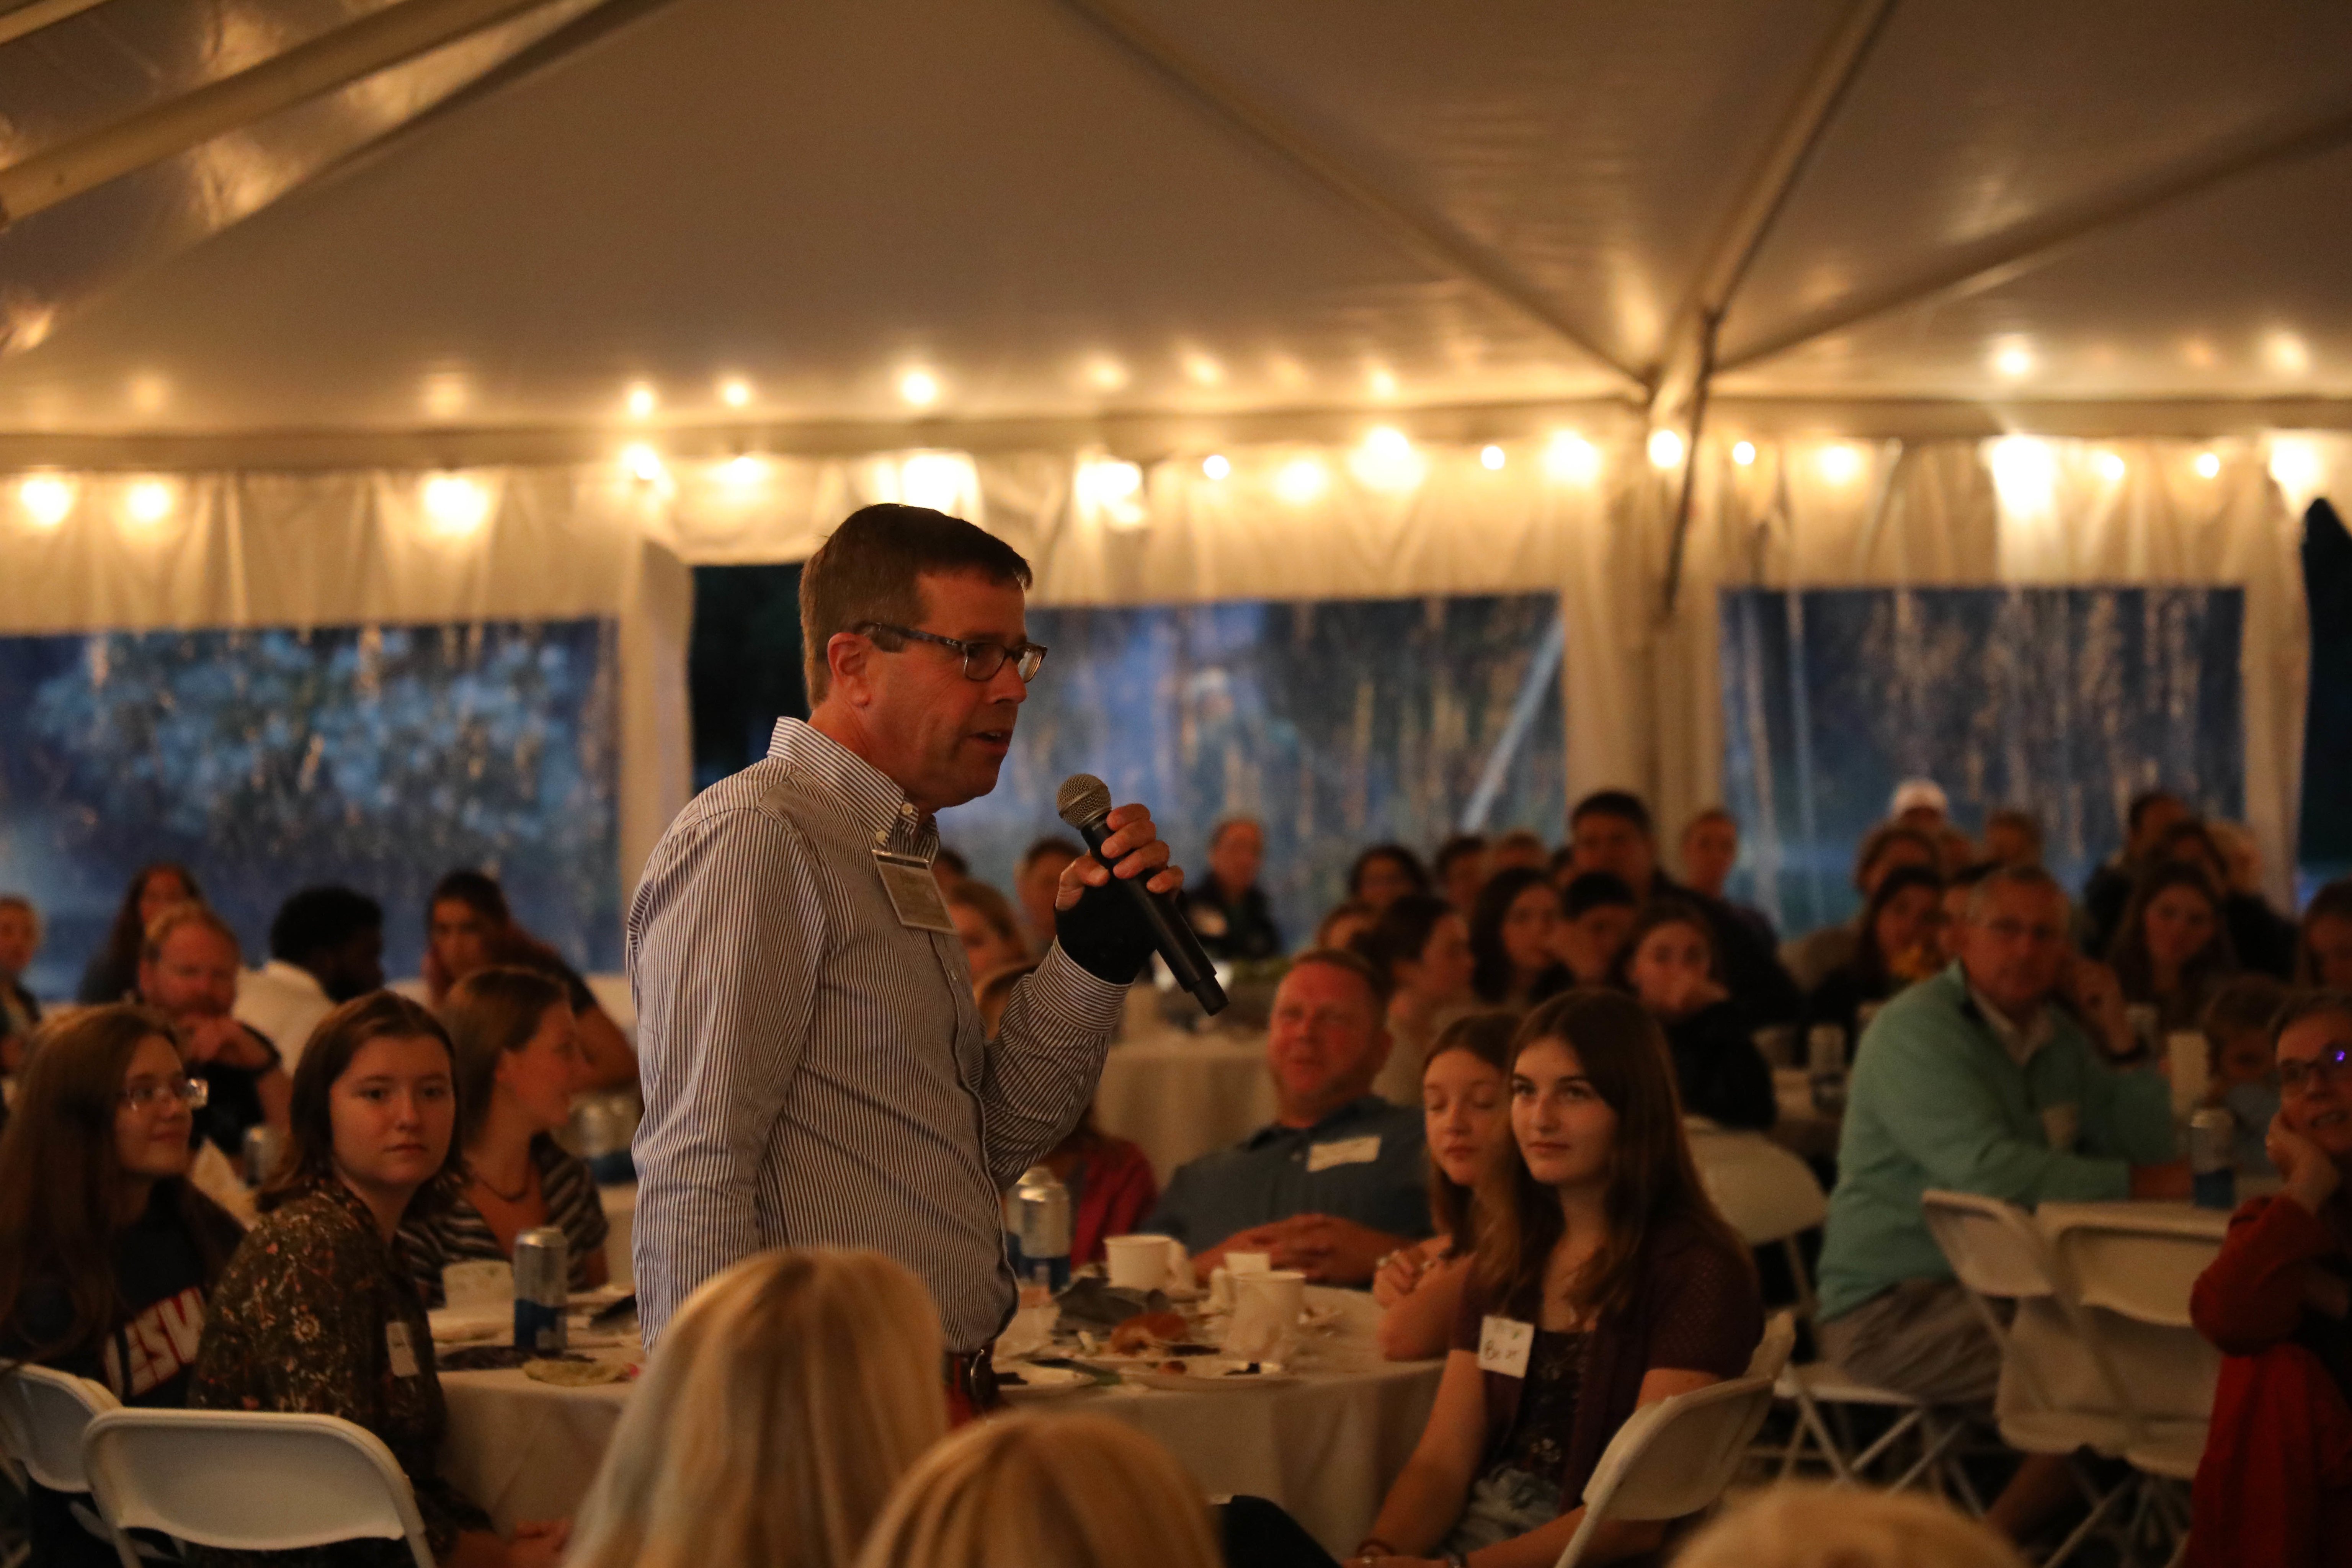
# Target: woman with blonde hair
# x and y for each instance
(785, 1402)
(1071, 1491)
(1825, 1527)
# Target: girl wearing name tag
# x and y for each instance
(317, 1311)
(1604, 1280)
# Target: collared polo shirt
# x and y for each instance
(1367, 1161)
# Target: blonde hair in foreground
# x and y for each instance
(1821, 1527)
(783, 1403)
(1022, 1491)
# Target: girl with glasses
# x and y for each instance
(107, 1253)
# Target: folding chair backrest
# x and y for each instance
(1673, 1457)
(249, 1481)
(2134, 1283)
(1773, 1350)
(1993, 1247)
(42, 1416)
(1766, 1193)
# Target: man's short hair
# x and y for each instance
(318, 919)
(1597, 890)
(1455, 848)
(19, 901)
(952, 859)
(2018, 818)
(2243, 1004)
(1228, 823)
(1052, 844)
(477, 891)
(1354, 964)
(867, 572)
(1621, 803)
(1712, 814)
(191, 913)
(1989, 886)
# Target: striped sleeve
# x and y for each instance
(1047, 1061)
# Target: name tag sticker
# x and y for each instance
(1504, 1345)
(1345, 1151)
(914, 892)
(2062, 1127)
(403, 1353)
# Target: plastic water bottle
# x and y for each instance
(1040, 1206)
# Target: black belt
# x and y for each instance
(974, 1375)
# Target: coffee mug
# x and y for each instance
(1137, 1262)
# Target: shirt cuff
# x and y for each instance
(1069, 989)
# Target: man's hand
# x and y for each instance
(1688, 991)
(224, 1040)
(2098, 996)
(2308, 1175)
(1266, 1239)
(1399, 1275)
(1331, 1251)
(1132, 850)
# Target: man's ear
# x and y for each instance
(845, 654)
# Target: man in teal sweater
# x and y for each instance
(1976, 1081)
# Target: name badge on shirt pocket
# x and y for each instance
(914, 892)
(403, 1353)
(1504, 1346)
(2062, 1127)
(1344, 1151)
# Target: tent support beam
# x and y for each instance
(1997, 258)
(376, 42)
(26, 20)
(1425, 237)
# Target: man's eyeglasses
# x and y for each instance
(147, 1093)
(2332, 1068)
(982, 660)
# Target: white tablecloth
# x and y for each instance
(1179, 1096)
(1326, 1446)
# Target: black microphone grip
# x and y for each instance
(1172, 934)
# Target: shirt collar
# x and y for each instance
(1354, 1110)
(293, 974)
(874, 801)
(2019, 1044)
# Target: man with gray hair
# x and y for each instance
(1980, 1080)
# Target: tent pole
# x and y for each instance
(1690, 465)
(375, 42)
(1995, 260)
(1427, 239)
(25, 20)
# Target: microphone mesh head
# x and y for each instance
(1082, 799)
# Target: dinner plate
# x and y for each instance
(1213, 1374)
(1041, 1381)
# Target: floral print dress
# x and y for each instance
(316, 1313)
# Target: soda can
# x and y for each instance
(542, 1277)
(263, 1144)
(2213, 1174)
(1041, 1206)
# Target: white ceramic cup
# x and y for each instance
(1137, 1262)
(1240, 1262)
(1267, 1308)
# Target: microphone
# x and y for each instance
(1084, 801)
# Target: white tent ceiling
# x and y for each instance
(1097, 216)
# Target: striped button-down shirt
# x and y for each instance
(815, 1073)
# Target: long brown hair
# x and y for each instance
(488, 1014)
(126, 935)
(2128, 953)
(61, 1180)
(1487, 1036)
(308, 1161)
(1656, 915)
(1653, 1182)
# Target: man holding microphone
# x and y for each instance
(815, 1070)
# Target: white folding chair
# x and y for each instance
(2044, 1406)
(1672, 1458)
(2132, 1276)
(249, 1481)
(44, 1414)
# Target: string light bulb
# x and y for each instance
(641, 401)
(1569, 456)
(2208, 465)
(735, 391)
(919, 388)
(2110, 465)
(455, 506)
(1217, 466)
(1300, 481)
(1666, 448)
(1492, 459)
(1841, 462)
(1387, 461)
(643, 464)
(743, 471)
(1111, 491)
(1744, 453)
(47, 498)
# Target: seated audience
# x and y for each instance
(1461, 869)
(1921, 805)
(1518, 847)
(1228, 909)
(1670, 964)
(2274, 1487)
(2013, 838)
(2151, 815)
(112, 973)
(1037, 879)
(106, 1252)
(949, 867)
(1611, 831)
(20, 1011)
(188, 972)
(1977, 1082)
(2324, 947)
(1110, 1181)
(1465, 1112)
(989, 929)
(1336, 1183)
(1902, 942)
(326, 946)
(2172, 950)
(2261, 939)
(519, 1065)
(1562, 868)
(1421, 948)
(787, 1398)
(1795, 1526)
(1384, 874)
(1710, 850)
(1039, 1491)
(1344, 924)
(2239, 1024)
(1887, 849)
(1605, 1279)
(1514, 940)
(317, 1313)
(468, 926)
(1600, 910)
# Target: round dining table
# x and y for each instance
(1326, 1446)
